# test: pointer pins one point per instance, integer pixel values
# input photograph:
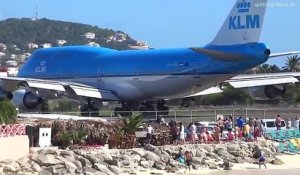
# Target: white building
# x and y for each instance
(32, 46)
(94, 44)
(61, 42)
(3, 46)
(120, 37)
(46, 45)
(140, 45)
(2, 54)
(89, 35)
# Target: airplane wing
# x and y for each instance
(10, 84)
(244, 81)
(272, 55)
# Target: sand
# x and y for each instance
(290, 162)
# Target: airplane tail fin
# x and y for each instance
(243, 24)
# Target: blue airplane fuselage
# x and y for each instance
(142, 74)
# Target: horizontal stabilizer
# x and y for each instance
(240, 82)
(272, 55)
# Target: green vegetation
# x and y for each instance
(131, 124)
(17, 33)
(7, 112)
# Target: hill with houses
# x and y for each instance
(20, 37)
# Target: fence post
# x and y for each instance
(191, 115)
(265, 113)
(111, 114)
(156, 115)
(246, 113)
(215, 115)
(175, 114)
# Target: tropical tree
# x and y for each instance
(266, 68)
(7, 112)
(131, 124)
(292, 63)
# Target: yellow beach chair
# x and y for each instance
(295, 142)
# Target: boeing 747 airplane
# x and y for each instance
(135, 77)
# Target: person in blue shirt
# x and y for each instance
(240, 122)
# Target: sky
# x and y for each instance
(165, 23)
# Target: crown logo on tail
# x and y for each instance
(243, 6)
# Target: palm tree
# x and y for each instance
(292, 63)
(131, 124)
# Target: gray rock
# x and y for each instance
(103, 169)
(212, 165)
(152, 156)
(92, 158)
(48, 151)
(45, 172)
(61, 171)
(237, 160)
(140, 152)
(84, 161)
(164, 157)
(195, 166)
(277, 161)
(11, 167)
(233, 147)
(150, 147)
(248, 160)
(227, 164)
(208, 148)
(160, 165)
(78, 164)
(115, 169)
(268, 153)
(227, 168)
(70, 166)
(66, 153)
(136, 157)
(48, 159)
(36, 167)
(91, 171)
(145, 164)
(197, 161)
(200, 153)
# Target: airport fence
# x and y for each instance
(189, 115)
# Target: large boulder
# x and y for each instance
(12, 167)
(150, 147)
(45, 172)
(70, 166)
(197, 161)
(48, 159)
(84, 161)
(103, 169)
(139, 152)
(36, 167)
(200, 153)
(152, 156)
(208, 148)
(233, 147)
(160, 165)
(145, 164)
(164, 157)
(91, 171)
(136, 157)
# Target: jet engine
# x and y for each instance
(27, 99)
(4, 95)
(268, 92)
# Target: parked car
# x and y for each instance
(268, 125)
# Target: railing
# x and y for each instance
(12, 130)
(189, 115)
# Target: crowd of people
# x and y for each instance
(225, 129)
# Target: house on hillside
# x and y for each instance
(2, 47)
(120, 37)
(94, 44)
(90, 35)
(32, 46)
(140, 45)
(2, 54)
(46, 45)
(61, 42)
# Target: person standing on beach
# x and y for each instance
(278, 122)
(181, 135)
(188, 160)
(193, 129)
(262, 159)
(149, 133)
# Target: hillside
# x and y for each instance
(16, 34)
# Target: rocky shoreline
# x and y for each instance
(135, 161)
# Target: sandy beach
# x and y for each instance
(291, 164)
